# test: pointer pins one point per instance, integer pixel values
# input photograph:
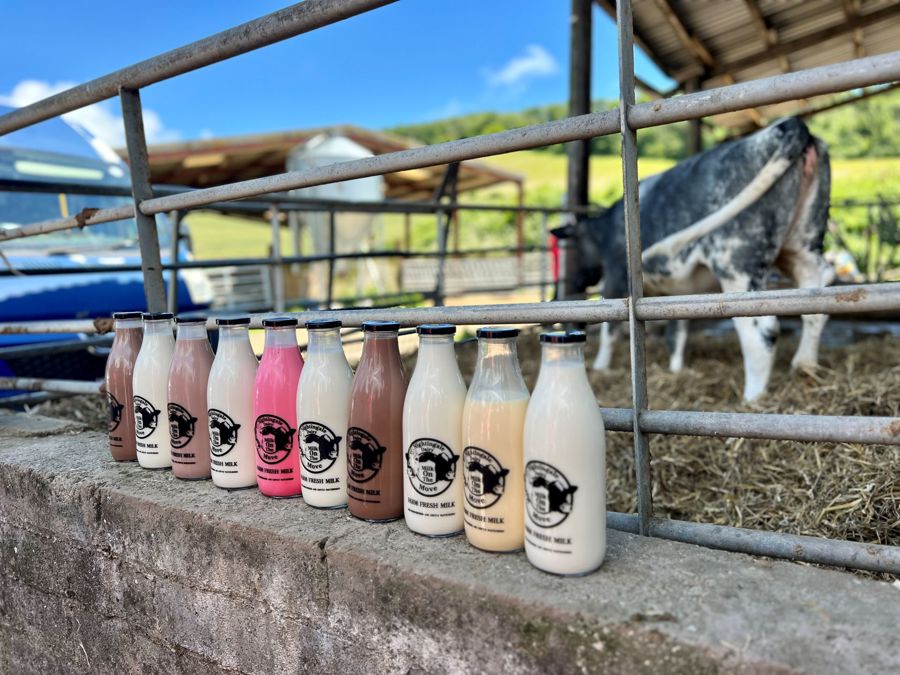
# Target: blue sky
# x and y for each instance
(413, 61)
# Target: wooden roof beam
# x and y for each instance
(693, 45)
(809, 112)
(767, 32)
(609, 6)
(851, 9)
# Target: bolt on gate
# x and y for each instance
(626, 120)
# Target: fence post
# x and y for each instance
(141, 189)
(294, 224)
(275, 265)
(175, 217)
(332, 247)
(545, 235)
(443, 226)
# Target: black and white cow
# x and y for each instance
(722, 220)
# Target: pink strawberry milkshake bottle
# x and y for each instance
(275, 410)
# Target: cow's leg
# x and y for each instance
(676, 340)
(810, 270)
(757, 335)
(608, 337)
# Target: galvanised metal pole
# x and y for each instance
(175, 217)
(544, 256)
(275, 261)
(332, 247)
(40, 384)
(275, 27)
(635, 276)
(141, 187)
(443, 225)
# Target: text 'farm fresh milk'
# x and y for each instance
(323, 412)
(493, 425)
(275, 410)
(375, 432)
(150, 386)
(188, 377)
(119, 380)
(229, 396)
(565, 463)
(432, 436)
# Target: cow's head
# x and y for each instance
(788, 137)
(584, 262)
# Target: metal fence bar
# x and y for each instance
(172, 290)
(545, 234)
(139, 163)
(857, 555)
(54, 347)
(632, 212)
(40, 384)
(276, 260)
(332, 247)
(266, 30)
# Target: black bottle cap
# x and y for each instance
(322, 324)
(497, 332)
(233, 321)
(279, 322)
(436, 329)
(190, 319)
(157, 316)
(380, 326)
(559, 337)
(127, 315)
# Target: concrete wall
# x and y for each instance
(108, 568)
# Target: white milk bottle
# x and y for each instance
(565, 463)
(323, 410)
(151, 378)
(229, 395)
(432, 436)
(493, 460)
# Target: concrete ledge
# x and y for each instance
(106, 567)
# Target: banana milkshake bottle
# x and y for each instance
(229, 397)
(150, 383)
(275, 410)
(432, 436)
(492, 428)
(323, 411)
(565, 463)
(188, 377)
(119, 374)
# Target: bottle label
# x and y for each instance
(431, 466)
(146, 417)
(115, 412)
(549, 497)
(318, 447)
(181, 425)
(223, 432)
(485, 477)
(364, 455)
(274, 439)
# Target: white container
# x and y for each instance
(432, 437)
(493, 455)
(323, 410)
(565, 463)
(151, 378)
(229, 396)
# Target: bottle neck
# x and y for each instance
(281, 337)
(192, 331)
(562, 354)
(436, 351)
(498, 366)
(127, 324)
(158, 328)
(324, 341)
(378, 346)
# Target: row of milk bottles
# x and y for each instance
(509, 469)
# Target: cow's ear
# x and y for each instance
(337, 439)
(563, 232)
(236, 427)
(193, 420)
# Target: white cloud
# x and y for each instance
(100, 119)
(206, 134)
(535, 62)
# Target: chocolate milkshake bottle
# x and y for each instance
(119, 371)
(375, 434)
(565, 463)
(432, 436)
(275, 410)
(323, 410)
(150, 384)
(229, 396)
(493, 464)
(188, 376)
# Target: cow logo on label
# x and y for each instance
(364, 455)
(431, 466)
(181, 425)
(274, 439)
(318, 447)
(115, 412)
(146, 417)
(549, 497)
(485, 478)
(223, 432)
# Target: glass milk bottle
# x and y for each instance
(565, 463)
(119, 374)
(493, 424)
(150, 382)
(323, 410)
(375, 432)
(275, 410)
(188, 377)
(229, 396)
(432, 436)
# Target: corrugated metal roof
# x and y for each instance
(724, 41)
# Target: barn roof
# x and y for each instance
(719, 42)
(216, 161)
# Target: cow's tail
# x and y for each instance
(764, 180)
